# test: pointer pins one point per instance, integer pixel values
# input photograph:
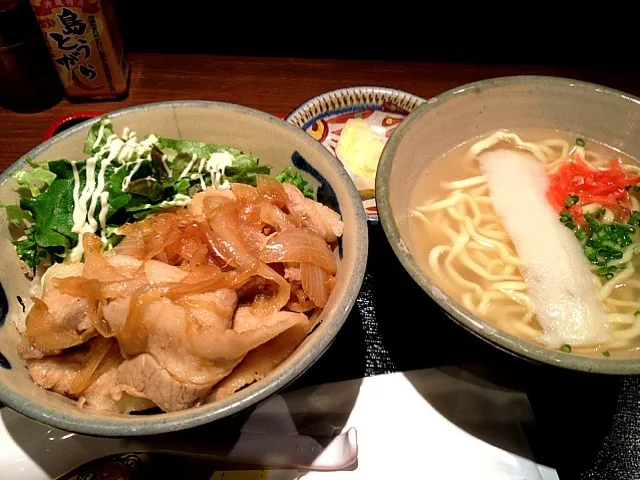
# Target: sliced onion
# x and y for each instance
(271, 190)
(299, 301)
(132, 245)
(232, 279)
(299, 245)
(251, 288)
(97, 267)
(100, 323)
(133, 335)
(91, 243)
(157, 243)
(245, 193)
(191, 247)
(145, 239)
(112, 359)
(268, 304)
(275, 217)
(314, 320)
(99, 348)
(248, 206)
(163, 257)
(198, 256)
(331, 284)
(46, 333)
(226, 238)
(91, 288)
(201, 273)
(162, 222)
(314, 283)
(212, 203)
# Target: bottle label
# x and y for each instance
(86, 51)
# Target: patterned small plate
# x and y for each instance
(323, 117)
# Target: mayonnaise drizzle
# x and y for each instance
(127, 179)
(104, 211)
(216, 165)
(179, 200)
(103, 123)
(80, 212)
(80, 224)
(166, 167)
(99, 190)
(127, 151)
(200, 168)
(85, 204)
(189, 166)
(132, 149)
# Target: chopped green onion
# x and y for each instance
(603, 243)
(600, 213)
(608, 272)
(573, 199)
(606, 242)
(634, 218)
(580, 142)
(606, 353)
(566, 348)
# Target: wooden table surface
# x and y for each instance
(276, 85)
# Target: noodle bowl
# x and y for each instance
(461, 241)
(497, 229)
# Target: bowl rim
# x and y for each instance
(503, 340)
(135, 425)
(342, 91)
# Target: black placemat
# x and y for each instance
(587, 425)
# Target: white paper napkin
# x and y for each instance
(434, 424)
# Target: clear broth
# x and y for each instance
(450, 167)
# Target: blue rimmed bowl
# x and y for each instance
(277, 143)
(324, 116)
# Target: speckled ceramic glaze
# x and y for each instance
(278, 144)
(446, 121)
(324, 116)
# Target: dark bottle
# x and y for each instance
(28, 78)
(85, 43)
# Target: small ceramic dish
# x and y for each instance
(324, 117)
(276, 143)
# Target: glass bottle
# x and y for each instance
(86, 47)
(28, 79)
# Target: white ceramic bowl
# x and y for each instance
(276, 142)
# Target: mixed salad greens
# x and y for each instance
(124, 179)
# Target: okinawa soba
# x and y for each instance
(538, 233)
